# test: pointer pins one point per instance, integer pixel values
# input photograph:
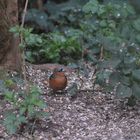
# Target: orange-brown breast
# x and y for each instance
(58, 81)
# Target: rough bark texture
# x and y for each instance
(9, 50)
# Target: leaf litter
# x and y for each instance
(90, 115)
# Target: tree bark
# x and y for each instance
(10, 57)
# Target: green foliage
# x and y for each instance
(116, 26)
(39, 18)
(8, 83)
(58, 20)
(64, 14)
(52, 47)
(55, 47)
(12, 122)
(24, 107)
(29, 39)
(106, 20)
(58, 48)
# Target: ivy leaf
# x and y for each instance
(22, 46)
(136, 75)
(103, 23)
(138, 38)
(103, 76)
(125, 80)
(131, 101)
(29, 56)
(114, 78)
(130, 9)
(136, 90)
(91, 6)
(110, 64)
(130, 60)
(123, 91)
(38, 17)
(136, 24)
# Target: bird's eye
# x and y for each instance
(61, 69)
(58, 70)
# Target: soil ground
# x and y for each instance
(90, 115)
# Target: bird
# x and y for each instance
(58, 80)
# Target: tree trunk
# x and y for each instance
(10, 57)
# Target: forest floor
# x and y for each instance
(91, 115)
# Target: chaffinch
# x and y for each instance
(58, 80)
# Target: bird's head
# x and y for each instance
(59, 70)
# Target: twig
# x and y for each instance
(101, 54)
(23, 54)
(94, 79)
(24, 14)
(32, 129)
